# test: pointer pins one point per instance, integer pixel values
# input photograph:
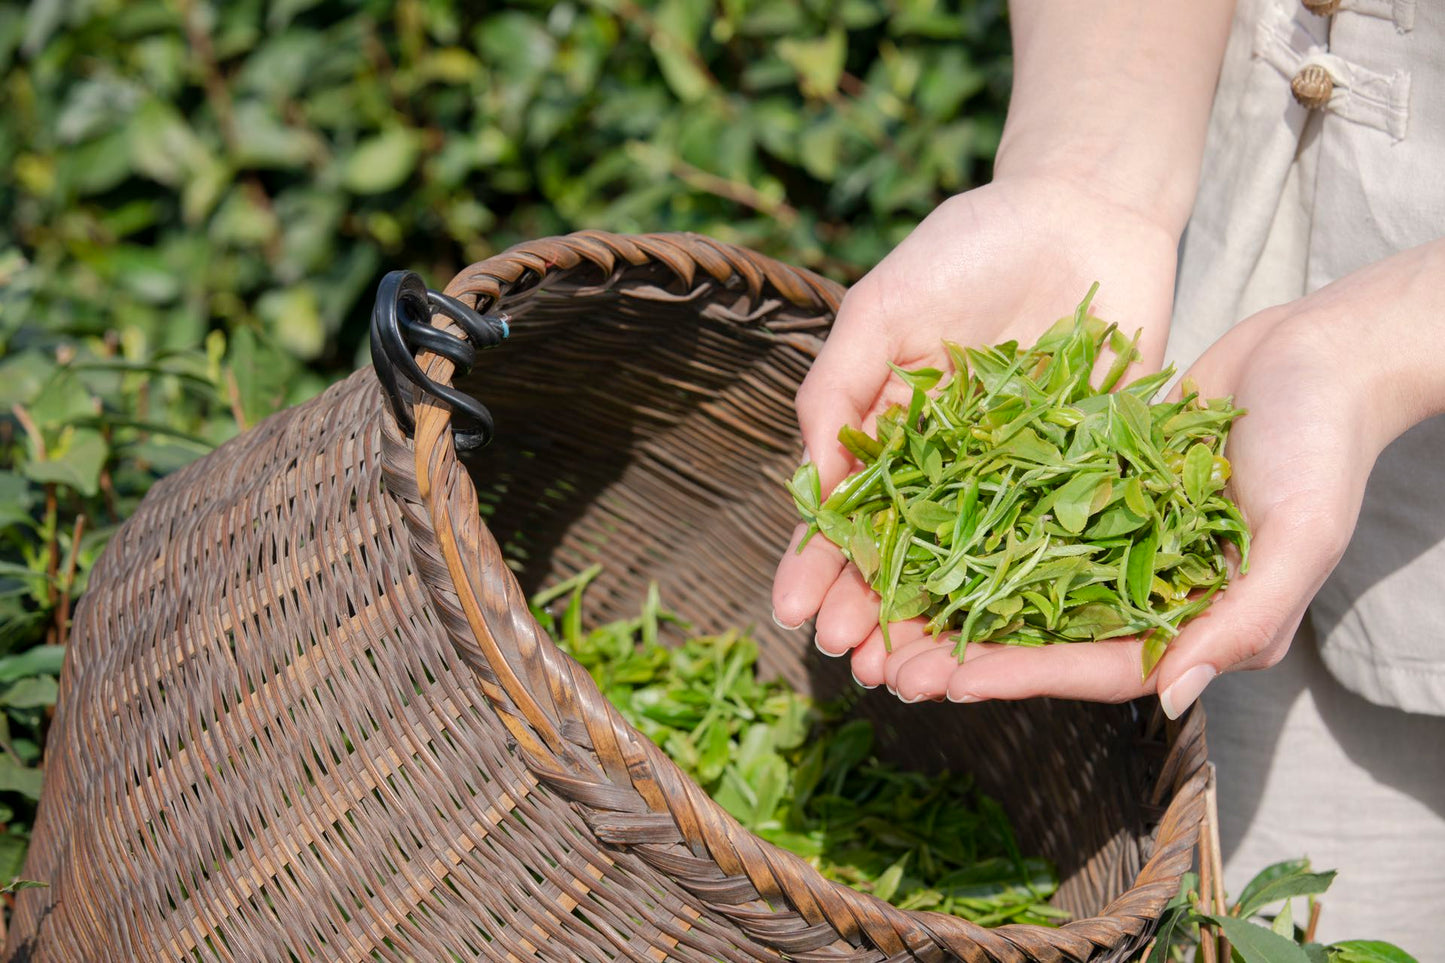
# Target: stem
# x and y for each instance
(1204, 902)
(735, 191)
(1214, 856)
(1315, 907)
(1208, 947)
(233, 394)
(107, 491)
(52, 547)
(32, 430)
(52, 505)
(62, 610)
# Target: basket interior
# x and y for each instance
(647, 423)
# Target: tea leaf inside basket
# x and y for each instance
(802, 775)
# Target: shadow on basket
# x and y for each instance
(307, 714)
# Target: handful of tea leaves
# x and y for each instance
(1015, 502)
(801, 775)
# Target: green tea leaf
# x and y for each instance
(928, 515)
(1114, 523)
(1368, 951)
(382, 163)
(40, 660)
(887, 885)
(1078, 499)
(804, 489)
(908, 602)
(1256, 944)
(1129, 423)
(1164, 936)
(837, 528)
(1155, 643)
(863, 447)
(1134, 498)
(15, 777)
(862, 548)
(1283, 924)
(1093, 621)
(1140, 577)
(61, 401)
(30, 693)
(921, 379)
(1198, 465)
(1285, 869)
(1281, 887)
(76, 462)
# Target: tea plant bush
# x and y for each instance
(199, 197)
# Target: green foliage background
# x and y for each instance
(199, 198)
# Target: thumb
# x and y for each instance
(1251, 624)
(841, 388)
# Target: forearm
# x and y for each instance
(1386, 328)
(1115, 94)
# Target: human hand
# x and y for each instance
(1325, 394)
(1001, 262)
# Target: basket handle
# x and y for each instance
(401, 325)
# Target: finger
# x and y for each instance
(924, 670)
(803, 579)
(902, 652)
(1097, 671)
(1252, 622)
(841, 388)
(849, 612)
(867, 661)
(869, 658)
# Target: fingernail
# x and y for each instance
(963, 699)
(818, 644)
(807, 455)
(918, 698)
(1180, 694)
(783, 625)
(860, 682)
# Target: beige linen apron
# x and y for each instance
(1294, 195)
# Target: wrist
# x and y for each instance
(1122, 210)
(1385, 330)
(1401, 301)
(1160, 192)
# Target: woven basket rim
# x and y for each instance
(861, 919)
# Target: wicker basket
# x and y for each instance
(306, 714)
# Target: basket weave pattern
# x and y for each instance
(307, 714)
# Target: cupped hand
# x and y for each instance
(1324, 395)
(1001, 262)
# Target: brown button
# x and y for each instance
(1322, 8)
(1312, 86)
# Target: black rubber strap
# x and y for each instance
(401, 327)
